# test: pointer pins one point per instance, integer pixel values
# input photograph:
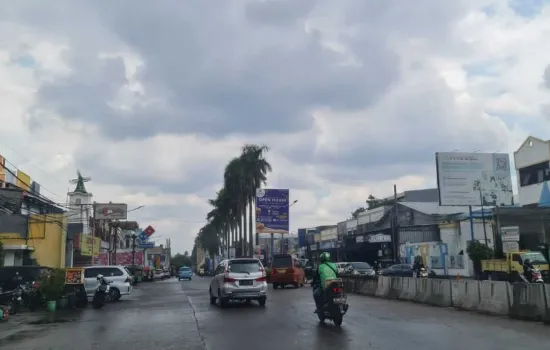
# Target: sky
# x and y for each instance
(151, 99)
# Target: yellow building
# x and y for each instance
(30, 238)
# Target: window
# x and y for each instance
(91, 272)
(534, 174)
(360, 266)
(219, 269)
(406, 267)
(78, 201)
(517, 258)
(282, 261)
(245, 266)
(113, 271)
(185, 269)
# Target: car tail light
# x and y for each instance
(337, 290)
(128, 280)
(261, 279)
(290, 270)
(227, 279)
(273, 271)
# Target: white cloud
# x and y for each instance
(351, 97)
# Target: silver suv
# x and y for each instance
(239, 279)
(119, 276)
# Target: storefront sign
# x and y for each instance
(359, 239)
(510, 233)
(379, 238)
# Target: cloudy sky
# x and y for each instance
(152, 98)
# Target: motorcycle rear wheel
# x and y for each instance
(338, 321)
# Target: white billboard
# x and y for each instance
(478, 179)
(110, 211)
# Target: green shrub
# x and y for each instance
(52, 285)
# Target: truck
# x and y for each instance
(510, 268)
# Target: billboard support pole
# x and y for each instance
(471, 223)
(395, 223)
(483, 217)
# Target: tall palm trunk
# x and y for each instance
(251, 227)
(247, 252)
(240, 223)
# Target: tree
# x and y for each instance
(234, 183)
(256, 168)
(478, 251)
(180, 260)
(373, 202)
(242, 176)
(356, 212)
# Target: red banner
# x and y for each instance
(122, 258)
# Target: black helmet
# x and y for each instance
(527, 261)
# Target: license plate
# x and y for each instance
(339, 300)
(245, 283)
(281, 270)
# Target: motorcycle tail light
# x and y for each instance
(35, 284)
(337, 290)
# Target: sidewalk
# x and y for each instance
(29, 323)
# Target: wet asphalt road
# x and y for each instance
(178, 315)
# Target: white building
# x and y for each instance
(532, 162)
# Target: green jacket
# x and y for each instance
(327, 271)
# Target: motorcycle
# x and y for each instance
(11, 299)
(536, 276)
(422, 272)
(102, 293)
(335, 305)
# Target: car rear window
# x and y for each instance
(245, 266)
(282, 261)
(185, 269)
(360, 265)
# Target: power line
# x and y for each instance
(28, 160)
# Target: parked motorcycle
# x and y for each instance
(11, 299)
(102, 293)
(335, 306)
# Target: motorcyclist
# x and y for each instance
(418, 265)
(528, 269)
(325, 270)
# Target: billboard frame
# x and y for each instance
(101, 209)
(480, 200)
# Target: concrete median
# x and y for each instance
(383, 288)
(408, 290)
(466, 294)
(495, 298)
(369, 287)
(528, 301)
(396, 285)
(439, 292)
(520, 300)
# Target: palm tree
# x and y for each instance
(221, 216)
(255, 169)
(235, 186)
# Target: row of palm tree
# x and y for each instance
(233, 207)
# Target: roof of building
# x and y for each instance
(433, 208)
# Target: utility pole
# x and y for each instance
(133, 249)
(115, 241)
(395, 224)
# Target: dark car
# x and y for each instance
(359, 269)
(399, 270)
(28, 274)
